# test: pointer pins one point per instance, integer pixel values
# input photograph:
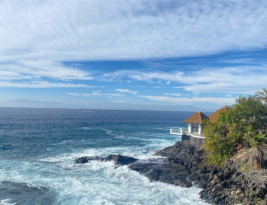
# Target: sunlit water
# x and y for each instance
(38, 148)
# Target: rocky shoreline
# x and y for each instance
(184, 165)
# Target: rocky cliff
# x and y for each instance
(184, 164)
(239, 181)
(242, 179)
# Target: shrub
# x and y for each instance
(241, 123)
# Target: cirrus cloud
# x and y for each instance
(126, 91)
(96, 93)
(221, 101)
(237, 80)
(66, 30)
(36, 69)
(41, 84)
(173, 94)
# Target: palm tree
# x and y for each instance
(261, 95)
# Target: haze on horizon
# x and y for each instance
(135, 54)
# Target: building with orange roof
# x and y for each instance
(214, 116)
(195, 124)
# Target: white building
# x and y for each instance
(195, 124)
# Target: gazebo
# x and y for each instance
(195, 123)
(214, 116)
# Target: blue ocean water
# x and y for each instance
(38, 148)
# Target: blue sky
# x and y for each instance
(135, 54)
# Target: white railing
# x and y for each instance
(197, 135)
(176, 131)
(181, 131)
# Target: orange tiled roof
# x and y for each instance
(198, 117)
(213, 117)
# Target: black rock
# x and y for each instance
(184, 165)
(118, 159)
(82, 160)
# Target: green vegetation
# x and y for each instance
(261, 95)
(242, 124)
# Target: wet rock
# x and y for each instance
(82, 160)
(158, 171)
(118, 159)
(185, 164)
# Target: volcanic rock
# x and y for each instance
(118, 159)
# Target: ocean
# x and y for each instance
(38, 148)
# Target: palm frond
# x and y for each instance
(261, 95)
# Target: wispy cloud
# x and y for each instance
(240, 80)
(80, 94)
(36, 69)
(40, 73)
(135, 29)
(173, 94)
(41, 84)
(141, 75)
(96, 93)
(221, 101)
(74, 94)
(240, 61)
(39, 39)
(126, 91)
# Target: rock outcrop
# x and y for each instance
(240, 181)
(118, 159)
(184, 164)
(237, 182)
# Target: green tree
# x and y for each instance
(261, 95)
(242, 123)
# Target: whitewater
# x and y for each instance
(38, 148)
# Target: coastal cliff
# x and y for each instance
(183, 164)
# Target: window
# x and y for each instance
(194, 129)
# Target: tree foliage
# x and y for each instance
(261, 95)
(243, 123)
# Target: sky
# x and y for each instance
(186, 55)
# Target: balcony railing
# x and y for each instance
(181, 131)
(178, 130)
